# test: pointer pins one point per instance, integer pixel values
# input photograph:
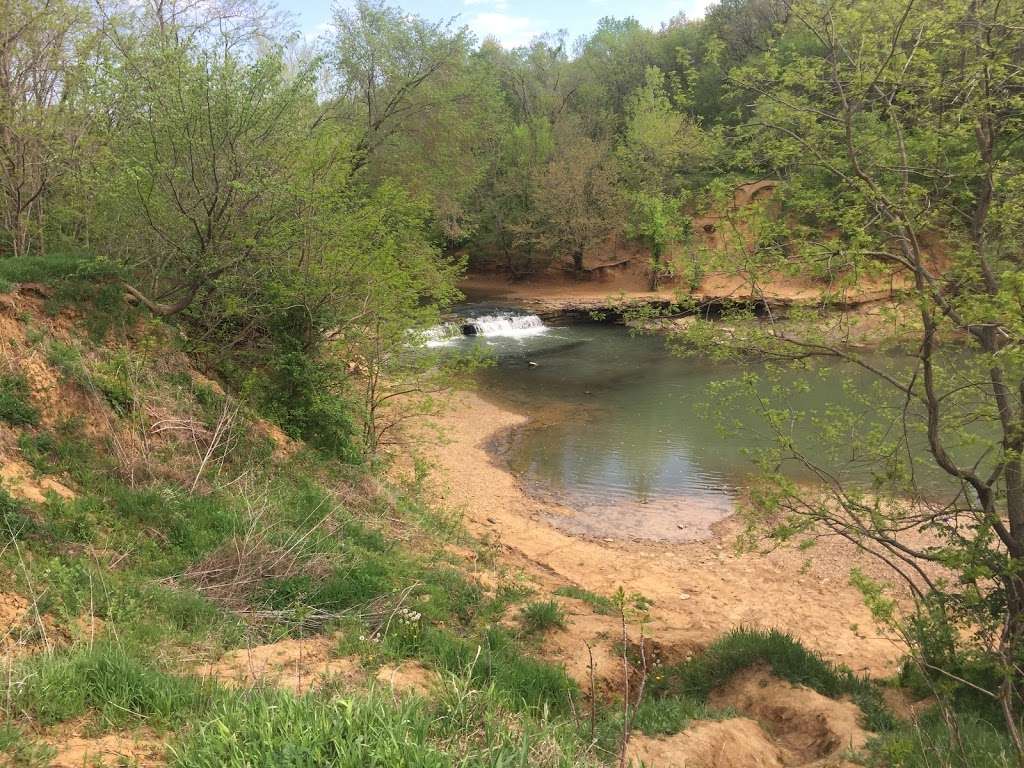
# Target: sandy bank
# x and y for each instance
(700, 590)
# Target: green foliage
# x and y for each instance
(979, 743)
(15, 407)
(190, 525)
(599, 603)
(542, 616)
(63, 450)
(116, 684)
(14, 523)
(21, 751)
(300, 394)
(268, 728)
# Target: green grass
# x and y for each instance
(929, 744)
(21, 751)
(598, 603)
(541, 616)
(118, 686)
(15, 407)
(471, 729)
(74, 278)
(743, 648)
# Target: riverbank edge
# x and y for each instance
(698, 590)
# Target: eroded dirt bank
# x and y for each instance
(700, 590)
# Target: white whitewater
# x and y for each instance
(501, 325)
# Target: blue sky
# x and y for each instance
(514, 22)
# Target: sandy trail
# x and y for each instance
(700, 590)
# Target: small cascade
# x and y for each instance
(506, 325)
(499, 325)
(441, 335)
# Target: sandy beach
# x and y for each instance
(699, 589)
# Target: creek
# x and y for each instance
(636, 442)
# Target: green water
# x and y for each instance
(630, 437)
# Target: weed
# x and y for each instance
(15, 408)
(599, 603)
(541, 616)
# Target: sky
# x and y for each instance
(513, 22)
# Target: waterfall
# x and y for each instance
(499, 325)
(441, 335)
(506, 324)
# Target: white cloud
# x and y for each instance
(510, 31)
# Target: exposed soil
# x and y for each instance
(699, 590)
(139, 749)
(407, 677)
(807, 725)
(19, 479)
(297, 665)
(736, 743)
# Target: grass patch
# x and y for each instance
(74, 278)
(120, 687)
(15, 408)
(743, 648)
(14, 523)
(62, 451)
(541, 616)
(929, 743)
(598, 603)
(266, 729)
(20, 751)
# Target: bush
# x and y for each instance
(15, 408)
(542, 616)
(300, 394)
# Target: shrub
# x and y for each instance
(299, 392)
(542, 616)
(15, 408)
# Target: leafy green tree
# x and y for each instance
(576, 205)
(897, 130)
(43, 49)
(661, 145)
(202, 143)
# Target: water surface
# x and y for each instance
(629, 436)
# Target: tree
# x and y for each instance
(42, 49)
(910, 113)
(660, 147)
(204, 142)
(575, 205)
